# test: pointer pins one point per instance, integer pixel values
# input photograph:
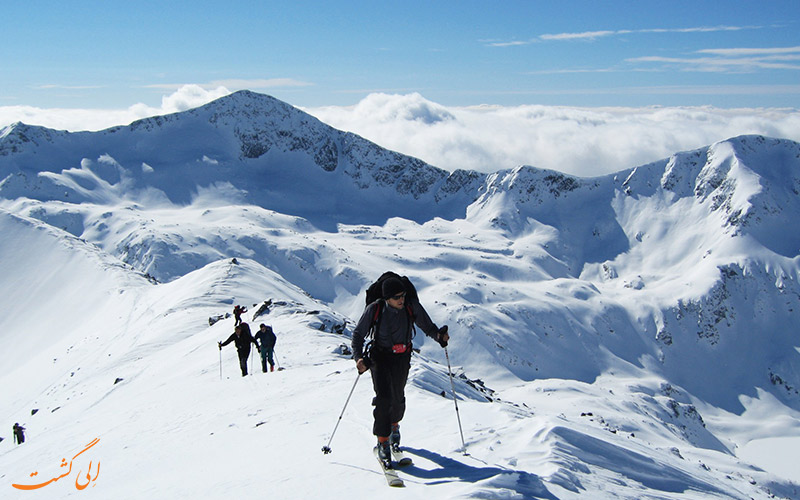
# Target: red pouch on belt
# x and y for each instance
(399, 348)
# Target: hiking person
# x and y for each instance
(19, 433)
(242, 338)
(266, 338)
(390, 320)
(237, 314)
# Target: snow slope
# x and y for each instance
(628, 336)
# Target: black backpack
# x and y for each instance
(375, 290)
(270, 337)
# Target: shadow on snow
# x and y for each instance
(497, 478)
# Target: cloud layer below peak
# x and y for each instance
(578, 141)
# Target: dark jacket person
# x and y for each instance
(389, 358)
(242, 338)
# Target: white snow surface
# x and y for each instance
(627, 336)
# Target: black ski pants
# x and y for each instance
(244, 355)
(389, 376)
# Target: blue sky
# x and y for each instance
(107, 54)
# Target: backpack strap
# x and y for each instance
(376, 318)
(373, 327)
(376, 323)
(412, 325)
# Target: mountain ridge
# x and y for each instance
(253, 137)
(262, 124)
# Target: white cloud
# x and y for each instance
(725, 64)
(729, 59)
(586, 35)
(386, 108)
(510, 44)
(579, 141)
(190, 96)
(594, 35)
(184, 97)
(751, 51)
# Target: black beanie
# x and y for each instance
(392, 287)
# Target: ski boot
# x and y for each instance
(385, 454)
(394, 438)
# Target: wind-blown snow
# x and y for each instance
(631, 335)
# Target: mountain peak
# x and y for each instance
(239, 109)
(248, 104)
(19, 137)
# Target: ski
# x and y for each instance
(391, 475)
(400, 457)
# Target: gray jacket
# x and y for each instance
(394, 326)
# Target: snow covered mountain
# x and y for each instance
(632, 335)
(252, 142)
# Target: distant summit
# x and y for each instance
(272, 154)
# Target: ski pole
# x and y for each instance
(455, 401)
(275, 355)
(220, 363)
(327, 448)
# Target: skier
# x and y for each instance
(19, 433)
(237, 314)
(267, 339)
(242, 337)
(389, 357)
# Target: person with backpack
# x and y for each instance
(19, 433)
(242, 339)
(237, 314)
(267, 340)
(389, 322)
